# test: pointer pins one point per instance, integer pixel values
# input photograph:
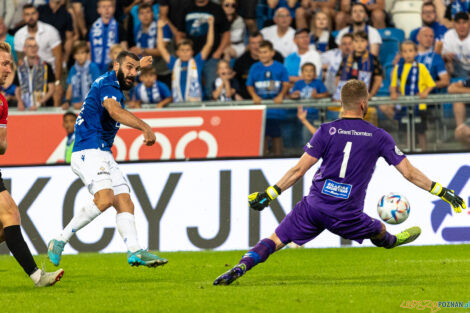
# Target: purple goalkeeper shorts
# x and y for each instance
(304, 223)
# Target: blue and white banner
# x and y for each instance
(195, 205)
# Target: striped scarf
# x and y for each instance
(33, 82)
(101, 40)
(411, 87)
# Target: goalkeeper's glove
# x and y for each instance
(259, 200)
(448, 196)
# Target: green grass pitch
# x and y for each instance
(292, 280)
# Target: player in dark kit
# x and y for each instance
(10, 230)
(349, 148)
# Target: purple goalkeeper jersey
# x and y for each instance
(349, 148)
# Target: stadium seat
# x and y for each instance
(392, 33)
(388, 49)
(406, 15)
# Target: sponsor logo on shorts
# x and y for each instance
(337, 190)
(103, 171)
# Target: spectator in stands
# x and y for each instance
(305, 54)
(456, 50)
(302, 116)
(290, 5)
(150, 90)
(429, 18)
(268, 79)
(105, 32)
(433, 61)
(237, 30)
(453, 7)
(281, 35)
(145, 35)
(55, 13)
(133, 24)
(6, 37)
(82, 74)
(68, 122)
(194, 25)
(48, 40)
(305, 12)
(226, 86)
(246, 60)
(247, 10)
(34, 79)
(186, 82)
(113, 53)
(321, 32)
(86, 12)
(408, 79)
(462, 123)
(331, 61)
(359, 18)
(309, 87)
(376, 9)
(12, 11)
(361, 65)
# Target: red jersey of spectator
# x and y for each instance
(3, 111)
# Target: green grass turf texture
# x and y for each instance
(292, 280)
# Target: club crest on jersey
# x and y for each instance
(332, 131)
(398, 151)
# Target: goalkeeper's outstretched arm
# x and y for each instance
(415, 176)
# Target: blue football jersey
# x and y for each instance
(95, 129)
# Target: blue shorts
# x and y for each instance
(304, 223)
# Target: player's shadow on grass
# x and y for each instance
(329, 280)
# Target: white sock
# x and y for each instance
(125, 223)
(36, 276)
(83, 218)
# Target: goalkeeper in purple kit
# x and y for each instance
(349, 148)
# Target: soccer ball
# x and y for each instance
(393, 208)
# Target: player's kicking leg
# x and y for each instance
(125, 222)
(10, 232)
(258, 254)
(386, 240)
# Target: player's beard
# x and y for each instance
(122, 80)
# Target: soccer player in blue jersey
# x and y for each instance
(349, 148)
(97, 124)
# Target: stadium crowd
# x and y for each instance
(239, 49)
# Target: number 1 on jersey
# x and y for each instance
(344, 165)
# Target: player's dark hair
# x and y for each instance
(352, 93)
(184, 42)
(266, 44)
(28, 6)
(123, 54)
(144, 6)
(80, 45)
(69, 113)
(348, 35)
(148, 71)
(308, 64)
(408, 43)
(361, 34)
